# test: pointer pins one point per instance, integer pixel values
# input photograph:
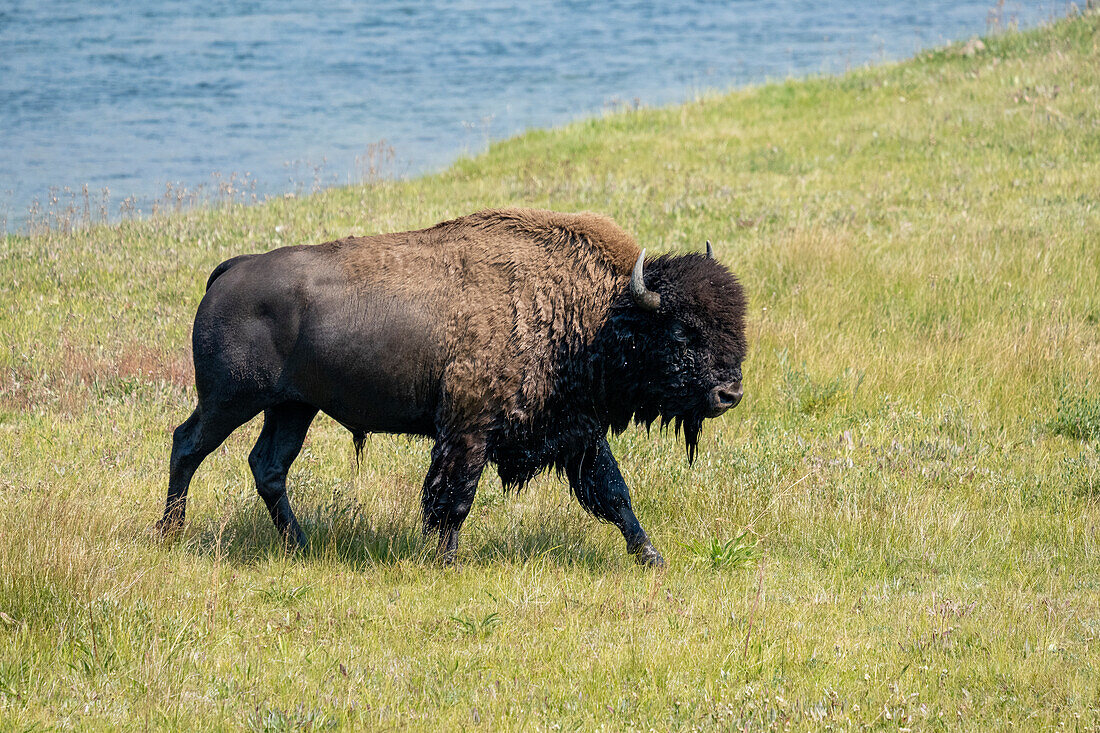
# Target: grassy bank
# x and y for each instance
(915, 470)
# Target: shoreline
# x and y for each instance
(61, 203)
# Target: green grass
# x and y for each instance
(738, 552)
(915, 463)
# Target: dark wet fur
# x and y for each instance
(641, 367)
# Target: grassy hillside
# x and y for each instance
(914, 474)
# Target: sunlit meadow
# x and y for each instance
(897, 529)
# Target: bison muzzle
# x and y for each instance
(513, 336)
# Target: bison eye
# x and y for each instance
(678, 334)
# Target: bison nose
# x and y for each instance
(724, 397)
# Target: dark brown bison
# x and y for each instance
(513, 336)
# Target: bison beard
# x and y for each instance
(512, 337)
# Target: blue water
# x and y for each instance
(134, 95)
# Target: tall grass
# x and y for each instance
(914, 466)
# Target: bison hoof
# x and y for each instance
(295, 545)
(168, 529)
(446, 552)
(447, 556)
(647, 556)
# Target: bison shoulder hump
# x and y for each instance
(597, 231)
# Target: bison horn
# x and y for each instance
(710, 252)
(645, 298)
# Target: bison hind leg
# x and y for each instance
(280, 442)
(207, 428)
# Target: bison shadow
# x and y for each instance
(359, 541)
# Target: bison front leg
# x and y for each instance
(449, 488)
(598, 485)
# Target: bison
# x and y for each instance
(516, 337)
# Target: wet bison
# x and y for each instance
(515, 337)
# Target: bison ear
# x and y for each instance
(710, 251)
(644, 298)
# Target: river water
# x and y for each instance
(131, 96)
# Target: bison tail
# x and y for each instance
(225, 266)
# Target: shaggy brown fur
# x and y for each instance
(513, 291)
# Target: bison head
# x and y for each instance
(678, 340)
